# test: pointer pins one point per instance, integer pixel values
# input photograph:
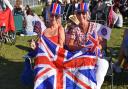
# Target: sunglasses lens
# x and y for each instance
(52, 15)
(79, 13)
(56, 16)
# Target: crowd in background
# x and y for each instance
(99, 10)
(106, 12)
(28, 18)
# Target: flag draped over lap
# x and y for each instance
(57, 68)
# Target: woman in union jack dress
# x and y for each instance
(54, 33)
(85, 36)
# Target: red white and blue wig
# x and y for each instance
(55, 9)
(82, 7)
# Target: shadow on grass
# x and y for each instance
(113, 52)
(115, 48)
(23, 47)
(120, 81)
(121, 78)
(10, 73)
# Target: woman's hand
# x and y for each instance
(33, 44)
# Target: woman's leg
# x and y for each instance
(121, 56)
(102, 67)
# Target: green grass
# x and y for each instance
(11, 63)
(15, 52)
(116, 38)
(37, 10)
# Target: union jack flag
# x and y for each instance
(92, 44)
(57, 68)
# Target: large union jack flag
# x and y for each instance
(57, 68)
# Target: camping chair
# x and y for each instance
(18, 23)
(7, 37)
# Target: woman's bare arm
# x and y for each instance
(61, 37)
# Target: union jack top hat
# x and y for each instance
(55, 9)
(82, 7)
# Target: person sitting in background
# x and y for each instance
(123, 54)
(25, 10)
(18, 9)
(29, 23)
(119, 22)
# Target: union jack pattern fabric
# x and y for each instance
(57, 68)
(90, 40)
(92, 44)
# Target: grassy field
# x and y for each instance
(11, 62)
(38, 9)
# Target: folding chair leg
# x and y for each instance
(112, 75)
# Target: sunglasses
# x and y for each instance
(79, 13)
(56, 16)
